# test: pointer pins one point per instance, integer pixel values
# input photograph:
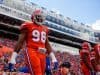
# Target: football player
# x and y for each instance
(35, 35)
(85, 59)
(97, 57)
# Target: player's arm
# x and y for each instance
(51, 54)
(20, 42)
(18, 46)
(85, 56)
(49, 51)
(48, 47)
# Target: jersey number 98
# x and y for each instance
(39, 36)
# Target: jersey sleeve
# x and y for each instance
(24, 26)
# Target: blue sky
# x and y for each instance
(85, 11)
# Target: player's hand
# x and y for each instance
(54, 61)
(53, 58)
(13, 58)
(11, 67)
(55, 65)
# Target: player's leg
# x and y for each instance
(34, 62)
(42, 61)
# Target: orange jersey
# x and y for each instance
(36, 35)
(85, 52)
(85, 69)
(97, 50)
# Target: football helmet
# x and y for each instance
(86, 46)
(38, 16)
